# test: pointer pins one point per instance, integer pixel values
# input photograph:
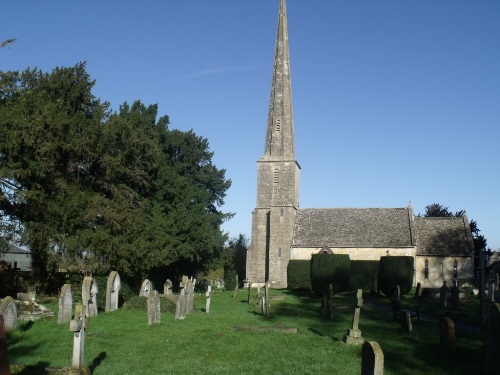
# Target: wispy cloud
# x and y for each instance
(213, 71)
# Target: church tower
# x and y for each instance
(277, 177)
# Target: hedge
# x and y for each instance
(396, 270)
(330, 269)
(363, 275)
(299, 274)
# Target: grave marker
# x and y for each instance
(113, 287)
(4, 358)
(64, 314)
(353, 335)
(180, 306)
(249, 292)
(454, 297)
(417, 290)
(146, 287)
(77, 326)
(89, 296)
(267, 300)
(447, 334)
(236, 287)
(492, 340)
(8, 309)
(372, 359)
(405, 319)
(167, 287)
(209, 296)
(154, 313)
(443, 295)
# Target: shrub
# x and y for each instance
(396, 270)
(141, 303)
(329, 269)
(362, 274)
(299, 274)
(230, 278)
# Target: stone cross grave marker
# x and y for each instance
(8, 309)
(65, 311)
(146, 287)
(447, 334)
(154, 313)
(417, 290)
(372, 359)
(4, 358)
(353, 335)
(208, 294)
(454, 297)
(77, 326)
(492, 340)
(396, 293)
(491, 292)
(167, 287)
(113, 287)
(89, 296)
(405, 320)
(443, 295)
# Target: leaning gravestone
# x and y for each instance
(372, 359)
(154, 315)
(112, 290)
(167, 287)
(89, 296)
(443, 295)
(492, 341)
(405, 319)
(4, 358)
(447, 334)
(353, 335)
(146, 287)
(65, 311)
(8, 309)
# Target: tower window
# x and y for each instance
(279, 252)
(455, 270)
(276, 176)
(282, 211)
(426, 270)
(278, 124)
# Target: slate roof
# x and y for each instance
(443, 236)
(353, 227)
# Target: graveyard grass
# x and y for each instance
(121, 342)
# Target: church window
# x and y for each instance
(276, 176)
(279, 252)
(455, 270)
(441, 270)
(278, 124)
(426, 270)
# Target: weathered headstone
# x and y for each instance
(8, 309)
(372, 359)
(492, 340)
(77, 326)
(208, 294)
(447, 334)
(154, 313)
(22, 297)
(417, 290)
(236, 287)
(353, 335)
(443, 295)
(405, 319)
(4, 358)
(31, 292)
(167, 287)
(65, 311)
(146, 287)
(189, 289)
(180, 306)
(491, 292)
(396, 293)
(113, 287)
(89, 296)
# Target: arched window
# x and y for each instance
(276, 176)
(455, 270)
(426, 270)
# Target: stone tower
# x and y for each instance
(277, 177)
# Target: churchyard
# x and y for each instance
(236, 338)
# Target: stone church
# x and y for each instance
(281, 231)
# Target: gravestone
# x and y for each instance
(447, 334)
(208, 294)
(353, 335)
(31, 292)
(89, 296)
(22, 297)
(417, 290)
(167, 287)
(443, 295)
(8, 309)
(4, 358)
(146, 287)
(154, 313)
(405, 319)
(249, 292)
(491, 292)
(77, 326)
(492, 340)
(267, 300)
(236, 287)
(180, 306)
(112, 291)
(65, 311)
(396, 293)
(454, 297)
(372, 359)
(189, 291)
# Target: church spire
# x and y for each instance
(280, 130)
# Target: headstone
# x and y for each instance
(209, 297)
(236, 287)
(491, 292)
(167, 287)
(189, 292)
(146, 287)
(180, 306)
(65, 311)
(77, 326)
(31, 292)
(405, 319)
(372, 359)
(492, 340)
(22, 297)
(396, 293)
(113, 287)
(249, 292)
(447, 334)
(89, 296)
(443, 295)
(353, 335)
(4, 358)
(417, 290)
(154, 313)
(267, 300)
(454, 297)
(8, 309)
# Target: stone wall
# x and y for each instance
(441, 269)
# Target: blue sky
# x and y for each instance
(394, 101)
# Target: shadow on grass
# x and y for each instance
(39, 369)
(25, 327)
(97, 361)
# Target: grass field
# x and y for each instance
(121, 342)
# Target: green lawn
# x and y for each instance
(121, 342)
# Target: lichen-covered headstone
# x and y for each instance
(492, 340)
(89, 296)
(372, 359)
(443, 295)
(405, 319)
(8, 309)
(146, 287)
(167, 287)
(112, 291)
(65, 311)
(154, 313)
(4, 358)
(77, 326)
(180, 306)
(447, 334)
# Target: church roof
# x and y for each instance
(353, 227)
(443, 236)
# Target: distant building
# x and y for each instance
(442, 248)
(17, 258)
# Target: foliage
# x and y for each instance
(230, 275)
(330, 269)
(141, 303)
(299, 274)
(396, 270)
(363, 274)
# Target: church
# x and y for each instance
(442, 247)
